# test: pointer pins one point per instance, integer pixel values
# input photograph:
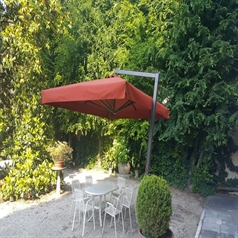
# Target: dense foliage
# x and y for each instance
(28, 31)
(201, 79)
(192, 43)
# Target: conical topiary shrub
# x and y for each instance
(153, 206)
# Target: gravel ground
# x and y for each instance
(50, 215)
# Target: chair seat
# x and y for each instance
(111, 210)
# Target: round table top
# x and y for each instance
(101, 188)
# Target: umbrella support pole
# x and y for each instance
(152, 119)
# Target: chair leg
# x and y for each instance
(74, 218)
(89, 218)
(84, 220)
(119, 217)
(122, 222)
(104, 222)
(125, 211)
(111, 223)
(93, 219)
(115, 226)
(79, 218)
(130, 216)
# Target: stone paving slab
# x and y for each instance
(220, 218)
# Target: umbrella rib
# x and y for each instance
(113, 110)
(125, 105)
(106, 106)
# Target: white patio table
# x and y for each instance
(101, 189)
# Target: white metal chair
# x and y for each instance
(83, 206)
(75, 183)
(121, 183)
(114, 209)
(88, 180)
(129, 200)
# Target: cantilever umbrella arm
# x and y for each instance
(152, 119)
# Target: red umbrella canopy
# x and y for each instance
(111, 98)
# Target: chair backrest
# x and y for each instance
(88, 180)
(118, 202)
(78, 194)
(121, 183)
(130, 196)
(133, 195)
(75, 184)
(80, 199)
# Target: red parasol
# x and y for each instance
(111, 98)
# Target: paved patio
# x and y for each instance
(219, 218)
(50, 215)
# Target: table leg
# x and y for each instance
(58, 183)
(105, 200)
(100, 211)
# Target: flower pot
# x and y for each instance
(136, 173)
(168, 234)
(124, 168)
(59, 164)
(109, 171)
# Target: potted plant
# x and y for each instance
(60, 152)
(137, 164)
(121, 154)
(109, 160)
(154, 208)
(136, 152)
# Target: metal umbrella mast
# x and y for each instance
(152, 119)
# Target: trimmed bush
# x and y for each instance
(153, 206)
